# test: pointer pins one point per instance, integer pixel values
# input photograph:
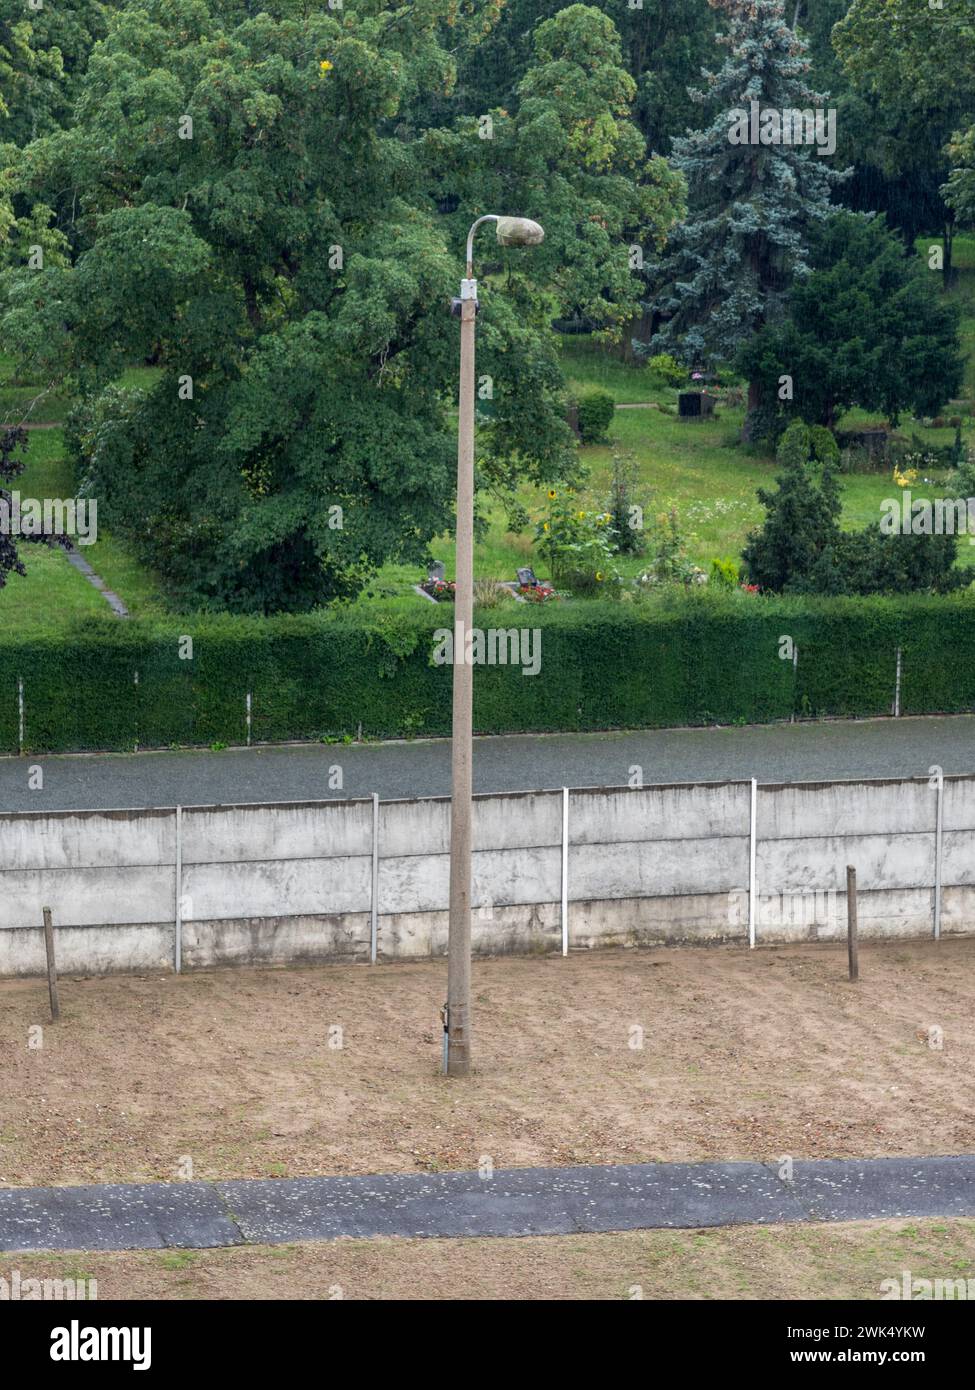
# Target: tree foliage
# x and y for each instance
(253, 203)
(800, 548)
(913, 65)
(13, 447)
(752, 206)
(867, 327)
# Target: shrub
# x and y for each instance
(679, 657)
(724, 574)
(668, 369)
(671, 563)
(801, 549)
(623, 510)
(596, 410)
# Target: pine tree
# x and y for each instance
(731, 263)
(802, 520)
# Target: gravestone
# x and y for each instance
(526, 578)
(693, 405)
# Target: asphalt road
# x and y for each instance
(514, 1202)
(772, 753)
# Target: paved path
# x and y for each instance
(96, 581)
(772, 753)
(514, 1202)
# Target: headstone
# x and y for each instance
(437, 571)
(526, 578)
(691, 405)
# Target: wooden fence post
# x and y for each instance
(851, 921)
(52, 970)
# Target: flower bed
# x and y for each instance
(442, 590)
(538, 593)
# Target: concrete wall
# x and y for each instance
(294, 882)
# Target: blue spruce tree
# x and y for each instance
(752, 193)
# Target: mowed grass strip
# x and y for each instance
(848, 1260)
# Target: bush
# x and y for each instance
(801, 549)
(694, 656)
(596, 409)
(670, 562)
(668, 369)
(626, 515)
(724, 574)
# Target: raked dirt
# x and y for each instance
(624, 1056)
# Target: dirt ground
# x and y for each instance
(745, 1055)
(769, 1262)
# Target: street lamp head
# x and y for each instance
(518, 231)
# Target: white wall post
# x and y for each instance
(248, 719)
(897, 686)
(751, 864)
(938, 837)
(374, 930)
(20, 714)
(178, 940)
(565, 871)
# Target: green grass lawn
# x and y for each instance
(697, 467)
(53, 593)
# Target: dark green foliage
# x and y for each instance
(664, 46)
(702, 658)
(12, 443)
(802, 514)
(801, 549)
(866, 328)
(270, 205)
(625, 509)
(751, 206)
(596, 409)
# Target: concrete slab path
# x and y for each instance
(513, 1202)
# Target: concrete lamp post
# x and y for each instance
(511, 231)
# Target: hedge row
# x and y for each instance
(702, 659)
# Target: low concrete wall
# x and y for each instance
(294, 882)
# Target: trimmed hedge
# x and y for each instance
(689, 659)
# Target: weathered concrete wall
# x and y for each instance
(293, 882)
